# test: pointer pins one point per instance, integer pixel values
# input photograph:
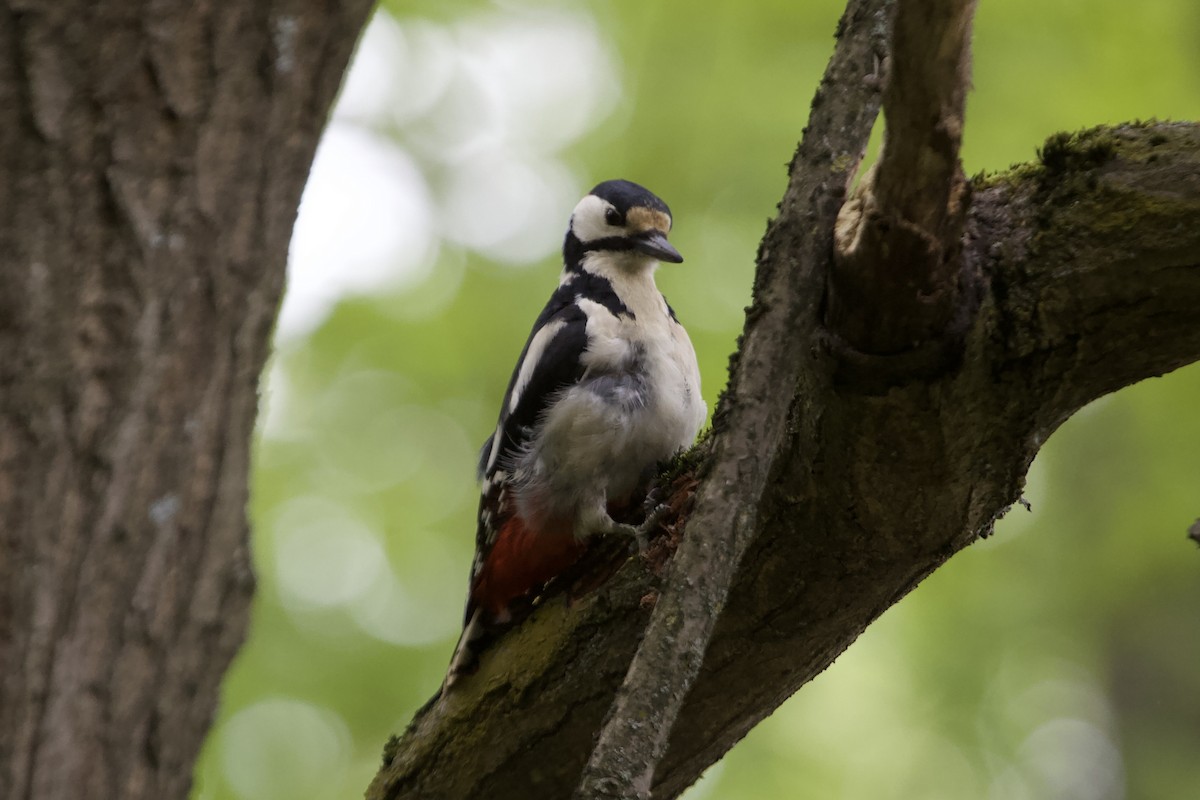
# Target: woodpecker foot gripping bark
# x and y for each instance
(654, 519)
(641, 533)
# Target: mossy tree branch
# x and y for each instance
(1085, 270)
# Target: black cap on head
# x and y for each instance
(627, 194)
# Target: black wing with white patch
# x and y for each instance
(550, 362)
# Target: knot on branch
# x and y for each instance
(897, 301)
(897, 285)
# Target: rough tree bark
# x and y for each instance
(152, 157)
(916, 363)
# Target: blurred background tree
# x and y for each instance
(1058, 659)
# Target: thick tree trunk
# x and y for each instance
(152, 157)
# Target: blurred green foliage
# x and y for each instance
(1058, 659)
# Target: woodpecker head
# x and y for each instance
(620, 217)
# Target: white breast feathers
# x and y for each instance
(637, 404)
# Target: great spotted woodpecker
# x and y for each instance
(606, 388)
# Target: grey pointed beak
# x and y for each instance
(654, 243)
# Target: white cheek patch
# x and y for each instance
(587, 221)
(533, 356)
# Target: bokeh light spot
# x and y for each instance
(284, 748)
(323, 555)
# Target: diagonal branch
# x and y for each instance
(751, 420)
(1089, 264)
(895, 284)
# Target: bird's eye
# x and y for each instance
(612, 216)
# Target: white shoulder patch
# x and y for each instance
(493, 454)
(537, 348)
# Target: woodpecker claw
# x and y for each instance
(636, 532)
(655, 517)
(641, 533)
(642, 539)
(653, 500)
